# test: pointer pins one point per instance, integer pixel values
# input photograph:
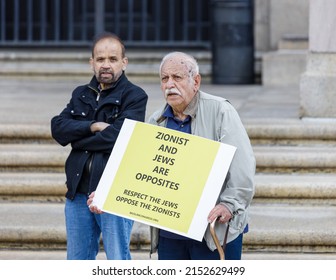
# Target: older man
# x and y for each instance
(191, 110)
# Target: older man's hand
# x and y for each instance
(221, 212)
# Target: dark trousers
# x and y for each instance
(189, 249)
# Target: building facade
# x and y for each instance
(73, 23)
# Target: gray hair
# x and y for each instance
(189, 60)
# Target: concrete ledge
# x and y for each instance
(33, 156)
(144, 255)
(295, 159)
(143, 65)
(14, 185)
(51, 187)
(19, 133)
(32, 225)
(307, 129)
(37, 225)
(52, 157)
(41, 225)
(317, 86)
(84, 56)
(296, 186)
(283, 67)
(286, 224)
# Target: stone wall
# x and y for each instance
(275, 19)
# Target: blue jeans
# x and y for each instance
(189, 249)
(84, 228)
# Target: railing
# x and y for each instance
(73, 23)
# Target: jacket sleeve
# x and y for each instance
(104, 141)
(65, 129)
(238, 189)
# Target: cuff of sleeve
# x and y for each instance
(228, 206)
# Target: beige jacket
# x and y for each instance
(216, 119)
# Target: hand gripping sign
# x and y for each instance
(163, 178)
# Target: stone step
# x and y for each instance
(292, 228)
(144, 255)
(301, 188)
(261, 132)
(29, 186)
(143, 65)
(287, 159)
(279, 227)
(294, 42)
(51, 157)
(33, 157)
(306, 131)
(137, 56)
(31, 225)
(23, 133)
(296, 188)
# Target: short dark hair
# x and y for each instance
(107, 35)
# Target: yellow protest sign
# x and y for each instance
(162, 177)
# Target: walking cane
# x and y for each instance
(220, 248)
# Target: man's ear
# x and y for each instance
(91, 63)
(125, 63)
(197, 82)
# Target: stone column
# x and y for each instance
(318, 83)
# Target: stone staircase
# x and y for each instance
(294, 209)
(143, 64)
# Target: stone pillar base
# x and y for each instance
(318, 86)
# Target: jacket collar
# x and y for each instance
(190, 110)
(94, 84)
(114, 93)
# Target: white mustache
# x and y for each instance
(172, 90)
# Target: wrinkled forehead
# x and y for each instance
(175, 65)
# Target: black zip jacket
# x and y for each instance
(72, 126)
